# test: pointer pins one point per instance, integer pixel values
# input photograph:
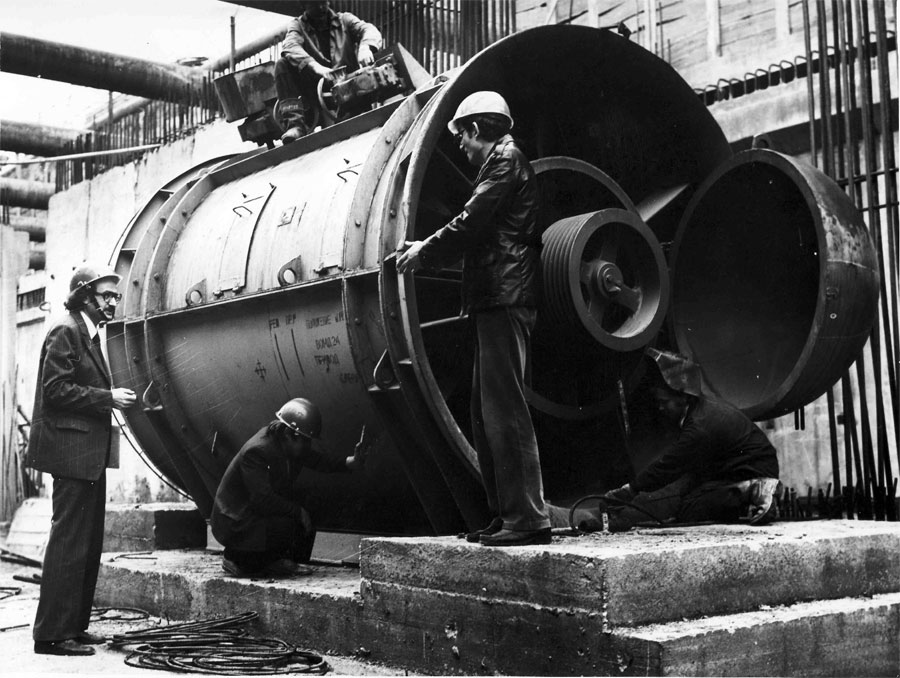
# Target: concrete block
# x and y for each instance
(655, 575)
(846, 637)
(429, 631)
(152, 527)
(320, 612)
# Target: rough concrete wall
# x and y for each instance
(85, 222)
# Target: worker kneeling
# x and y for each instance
(256, 516)
(721, 467)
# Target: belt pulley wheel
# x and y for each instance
(604, 273)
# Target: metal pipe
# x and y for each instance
(23, 137)
(94, 68)
(25, 193)
(34, 226)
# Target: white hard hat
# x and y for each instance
(480, 102)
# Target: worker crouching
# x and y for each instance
(257, 516)
(721, 468)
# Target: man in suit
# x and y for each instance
(72, 439)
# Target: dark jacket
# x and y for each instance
(71, 425)
(348, 32)
(496, 234)
(717, 442)
(259, 483)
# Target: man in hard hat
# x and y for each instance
(497, 237)
(721, 467)
(257, 517)
(316, 43)
(72, 438)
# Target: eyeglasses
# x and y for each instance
(110, 296)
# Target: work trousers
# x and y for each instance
(72, 559)
(285, 538)
(501, 423)
(293, 83)
(687, 501)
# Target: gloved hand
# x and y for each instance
(624, 493)
(365, 57)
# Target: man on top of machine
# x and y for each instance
(317, 42)
(256, 516)
(497, 237)
(721, 468)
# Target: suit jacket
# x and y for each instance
(71, 426)
(259, 483)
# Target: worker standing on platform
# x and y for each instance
(72, 438)
(256, 516)
(497, 237)
(316, 43)
(721, 468)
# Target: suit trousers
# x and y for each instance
(501, 423)
(72, 558)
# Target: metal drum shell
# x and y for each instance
(770, 234)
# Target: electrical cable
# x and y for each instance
(216, 646)
(116, 614)
(609, 500)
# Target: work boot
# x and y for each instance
(291, 115)
(761, 498)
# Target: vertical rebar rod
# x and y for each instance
(810, 90)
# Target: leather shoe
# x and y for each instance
(517, 537)
(65, 648)
(495, 526)
(88, 638)
(284, 567)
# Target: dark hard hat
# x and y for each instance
(88, 274)
(301, 416)
(678, 372)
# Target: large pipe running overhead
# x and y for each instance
(26, 193)
(101, 70)
(40, 140)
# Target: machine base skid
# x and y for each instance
(813, 598)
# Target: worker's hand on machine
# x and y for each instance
(409, 260)
(365, 57)
(620, 494)
(322, 72)
(361, 451)
(123, 398)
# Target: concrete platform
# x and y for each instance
(811, 598)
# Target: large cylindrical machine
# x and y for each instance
(271, 275)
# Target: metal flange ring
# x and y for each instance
(605, 274)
